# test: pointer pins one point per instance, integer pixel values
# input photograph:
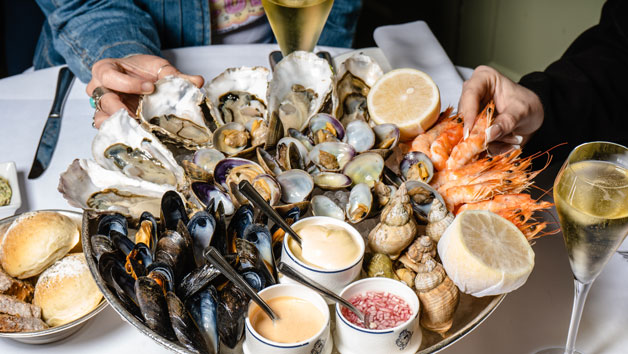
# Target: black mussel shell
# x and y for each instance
(138, 259)
(163, 275)
(121, 242)
(111, 268)
(232, 307)
(255, 279)
(198, 279)
(184, 327)
(153, 305)
(291, 216)
(201, 227)
(172, 210)
(101, 244)
(259, 235)
(203, 307)
(175, 251)
(249, 258)
(242, 218)
(154, 227)
(115, 222)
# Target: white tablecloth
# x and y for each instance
(532, 317)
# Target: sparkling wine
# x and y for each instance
(592, 202)
(297, 24)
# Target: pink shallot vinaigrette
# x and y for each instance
(385, 310)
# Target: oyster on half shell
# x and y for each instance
(87, 185)
(123, 145)
(177, 112)
(302, 85)
(238, 94)
(356, 76)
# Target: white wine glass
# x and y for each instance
(591, 197)
(297, 24)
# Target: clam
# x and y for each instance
(386, 138)
(356, 76)
(232, 139)
(365, 168)
(332, 156)
(87, 185)
(258, 129)
(211, 196)
(332, 180)
(323, 206)
(296, 186)
(360, 203)
(422, 196)
(360, 135)
(324, 127)
(304, 139)
(206, 159)
(239, 166)
(122, 145)
(268, 188)
(177, 111)
(383, 193)
(416, 166)
(292, 154)
(238, 94)
(268, 162)
(302, 85)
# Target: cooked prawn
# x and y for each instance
(423, 141)
(475, 143)
(501, 202)
(463, 194)
(442, 146)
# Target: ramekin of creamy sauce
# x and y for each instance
(331, 255)
(303, 325)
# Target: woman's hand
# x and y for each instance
(129, 77)
(519, 112)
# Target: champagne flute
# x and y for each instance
(591, 197)
(297, 24)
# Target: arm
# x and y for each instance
(85, 32)
(584, 93)
(341, 23)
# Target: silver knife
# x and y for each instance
(50, 135)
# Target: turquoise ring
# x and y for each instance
(92, 103)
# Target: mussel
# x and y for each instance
(203, 308)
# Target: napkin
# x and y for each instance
(413, 45)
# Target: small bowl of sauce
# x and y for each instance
(303, 325)
(331, 255)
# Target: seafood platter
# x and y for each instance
(163, 187)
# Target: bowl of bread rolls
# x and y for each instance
(46, 289)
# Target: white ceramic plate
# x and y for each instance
(7, 170)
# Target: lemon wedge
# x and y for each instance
(406, 97)
(485, 254)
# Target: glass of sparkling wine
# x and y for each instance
(591, 197)
(297, 24)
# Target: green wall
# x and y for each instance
(519, 36)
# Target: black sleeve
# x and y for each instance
(585, 92)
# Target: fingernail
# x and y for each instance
(466, 133)
(147, 87)
(516, 147)
(518, 138)
(493, 132)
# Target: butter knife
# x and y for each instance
(50, 134)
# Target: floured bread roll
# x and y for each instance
(66, 291)
(36, 240)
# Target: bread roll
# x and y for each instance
(36, 240)
(66, 291)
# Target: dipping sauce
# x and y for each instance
(385, 310)
(5, 192)
(325, 246)
(299, 320)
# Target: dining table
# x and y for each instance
(532, 317)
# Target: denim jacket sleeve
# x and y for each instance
(83, 32)
(339, 30)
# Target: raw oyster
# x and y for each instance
(302, 85)
(122, 145)
(356, 76)
(177, 112)
(238, 94)
(87, 185)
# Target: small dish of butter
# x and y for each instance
(10, 199)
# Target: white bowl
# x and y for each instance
(333, 279)
(7, 170)
(320, 343)
(405, 338)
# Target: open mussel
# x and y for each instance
(147, 231)
(138, 260)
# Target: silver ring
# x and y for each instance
(161, 68)
(97, 95)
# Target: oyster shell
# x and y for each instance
(122, 145)
(87, 185)
(302, 85)
(356, 76)
(177, 112)
(238, 94)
